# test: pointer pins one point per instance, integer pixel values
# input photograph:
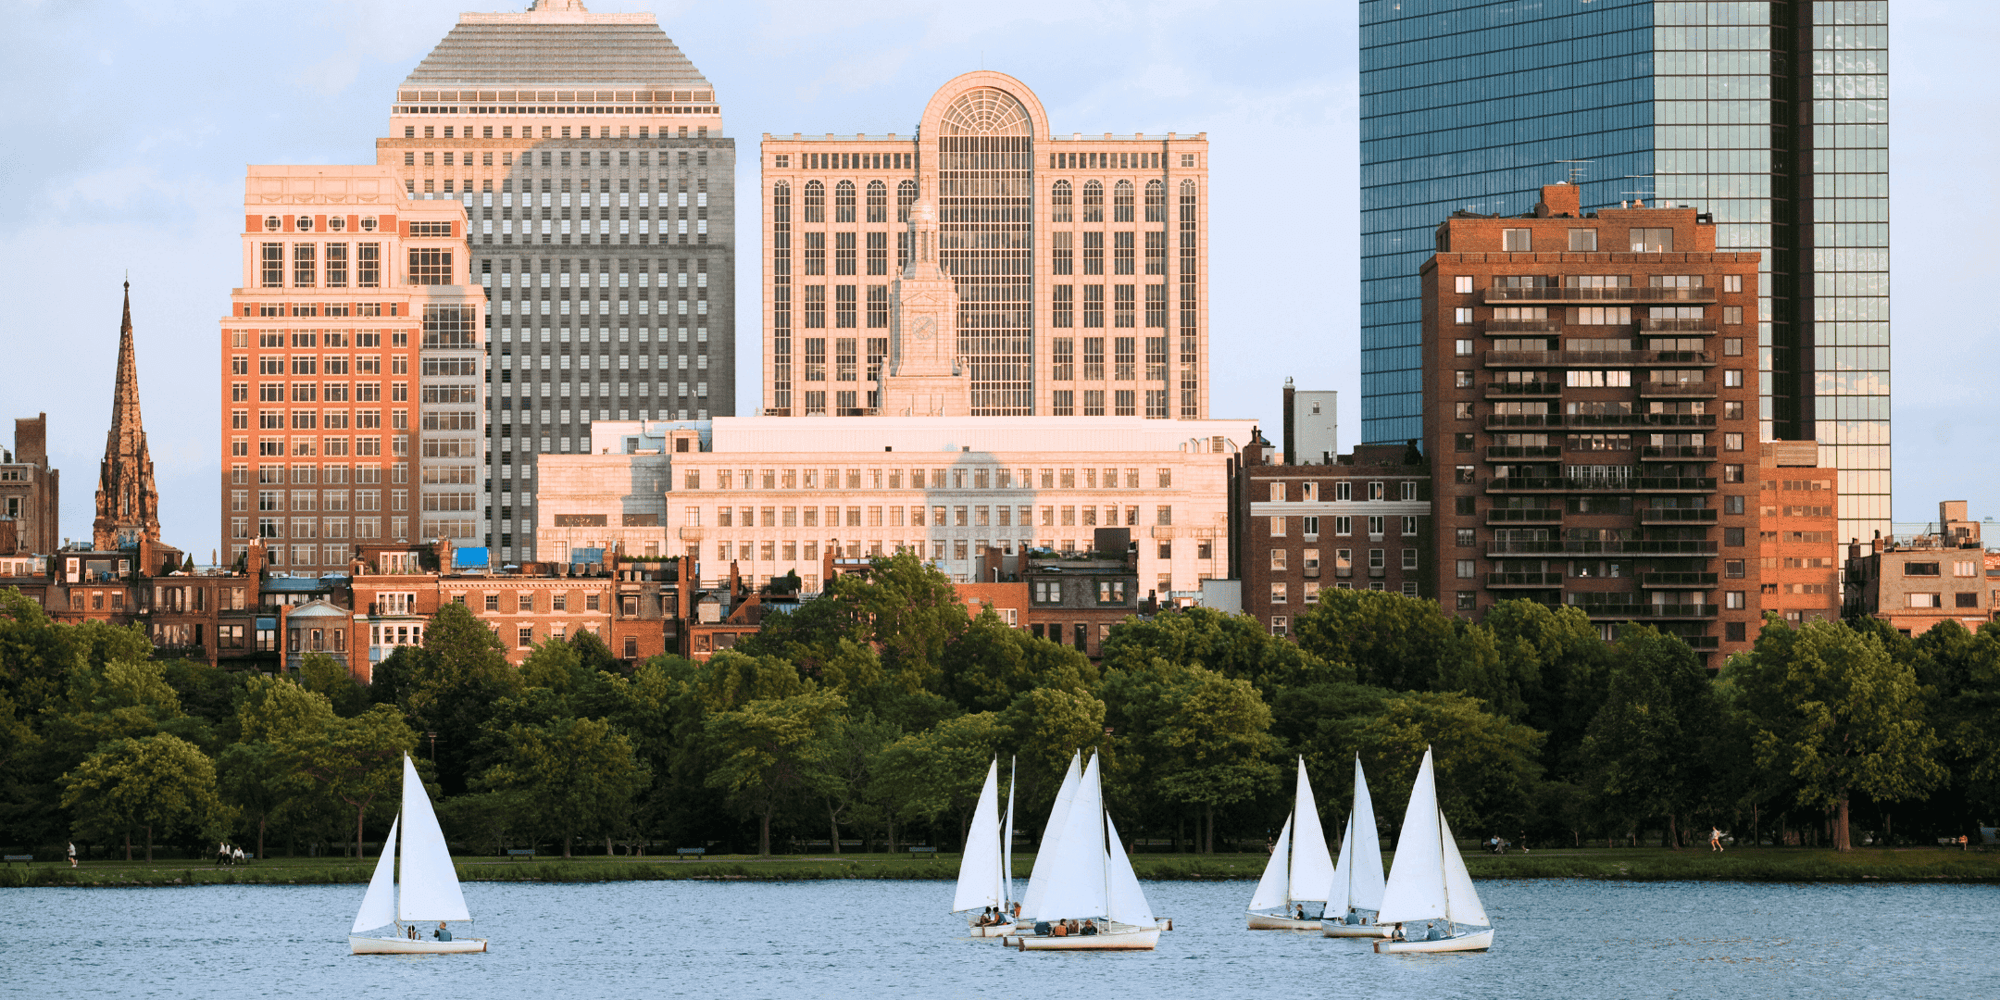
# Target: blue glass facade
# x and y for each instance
(1771, 116)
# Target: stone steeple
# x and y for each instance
(925, 377)
(128, 505)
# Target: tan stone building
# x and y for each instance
(1080, 262)
(1913, 582)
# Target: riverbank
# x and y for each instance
(1622, 864)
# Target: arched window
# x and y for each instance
(1187, 204)
(1060, 198)
(843, 202)
(781, 202)
(1121, 202)
(878, 201)
(906, 195)
(1156, 202)
(1093, 202)
(815, 201)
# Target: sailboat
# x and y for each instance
(1038, 878)
(427, 892)
(1300, 869)
(1428, 882)
(1090, 879)
(1356, 893)
(983, 879)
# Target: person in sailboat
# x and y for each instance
(1089, 928)
(443, 933)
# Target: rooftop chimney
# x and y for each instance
(1560, 200)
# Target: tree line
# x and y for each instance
(870, 714)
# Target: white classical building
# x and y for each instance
(773, 496)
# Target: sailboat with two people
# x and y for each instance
(1429, 900)
(1299, 872)
(1091, 900)
(986, 869)
(1356, 894)
(428, 890)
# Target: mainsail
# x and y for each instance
(1429, 881)
(1078, 881)
(1038, 879)
(430, 883)
(1312, 865)
(979, 867)
(1357, 880)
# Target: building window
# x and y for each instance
(1732, 442)
(1516, 240)
(1583, 241)
(1280, 625)
(1652, 240)
(1733, 600)
(1732, 568)
(1732, 282)
(1732, 537)
(1463, 316)
(1467, 568)
(1732, 473)
(1278, 593)
(1462, 284)
(1735, 631)
(1732, 377)
(1467, 601)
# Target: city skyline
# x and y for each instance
(160, 184)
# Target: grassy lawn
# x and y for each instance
(1638, 864)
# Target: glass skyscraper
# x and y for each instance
(1771, 115)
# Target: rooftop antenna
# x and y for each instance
(1576, 170)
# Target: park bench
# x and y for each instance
(11, 858)
(520, 852)
(696, 851)
(914, 851)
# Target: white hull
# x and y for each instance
(1339, 930)
(1476, 941)
(990, 930)
(420, 946)
(1271, 922)
(1135, 939)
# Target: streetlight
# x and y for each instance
(434, 745)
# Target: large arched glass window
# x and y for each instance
(906, 195)
(1121, 202)
(781, 202)
(815, 201)
(1060, 203)
(1187, 204)
(878, 201)
(1093, 202)
(843, 202)
(1156, 202)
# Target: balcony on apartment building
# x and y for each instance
(1599, 484)
(1556, 294)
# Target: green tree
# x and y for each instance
(327, 676)
(591, 652)
(1206, 738)
(845, 777)
(572, 775)
(993, 663)
(1960, 671)
(161, 783)
(909, 610)
(937, 774)
(555, 665)
(356, 762)
(1647, 752)
(1236, 646)
(253, 779)
(205, 692)
(462, 672)
(1389, 640)
(1485, 764)
(768, 751)
(731, 680)
(278, 708)
(1832, 709)
(1554, 659)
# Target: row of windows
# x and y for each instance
(792, 550)
(937, 516)
(1309, 594)
(331, 475)
(959, 478)
(1343, 560)
(1377, 525)
(1343, 490)
(1124, 403)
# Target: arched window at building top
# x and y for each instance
(1061, 198)
(906, 195)
(1156, 202)
(815, 201)
(878, 201)
(1187, 201)
(1121, 202)
(781, 202)
(843, 202)
(1093, 202)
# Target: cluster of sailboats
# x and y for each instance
(1083, 895)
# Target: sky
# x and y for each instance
(132, 123)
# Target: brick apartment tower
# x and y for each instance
(128, 504)
(1593, 423)
(353, 371)
(1080, 261)
(1798, 551)
(588, 152)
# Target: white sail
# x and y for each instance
(1127, 901)
(1312, 864)
(1007, 835)
(1078, 883)
(378, 907)
(979, 866)
(1270, 892)
(1416, 886)
(430, 884)
(1338, 900)
(1362, 850)
(1462, 904)
(1038, 878)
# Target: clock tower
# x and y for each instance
(925, 377)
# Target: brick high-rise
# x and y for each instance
(589, 155)
(1593, 425)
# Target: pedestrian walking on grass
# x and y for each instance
(1714, 838)
(72, 854)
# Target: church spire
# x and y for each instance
(128, 505)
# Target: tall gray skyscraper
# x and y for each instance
(590, 157)
(1771, 115)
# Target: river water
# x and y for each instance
(888, 939)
